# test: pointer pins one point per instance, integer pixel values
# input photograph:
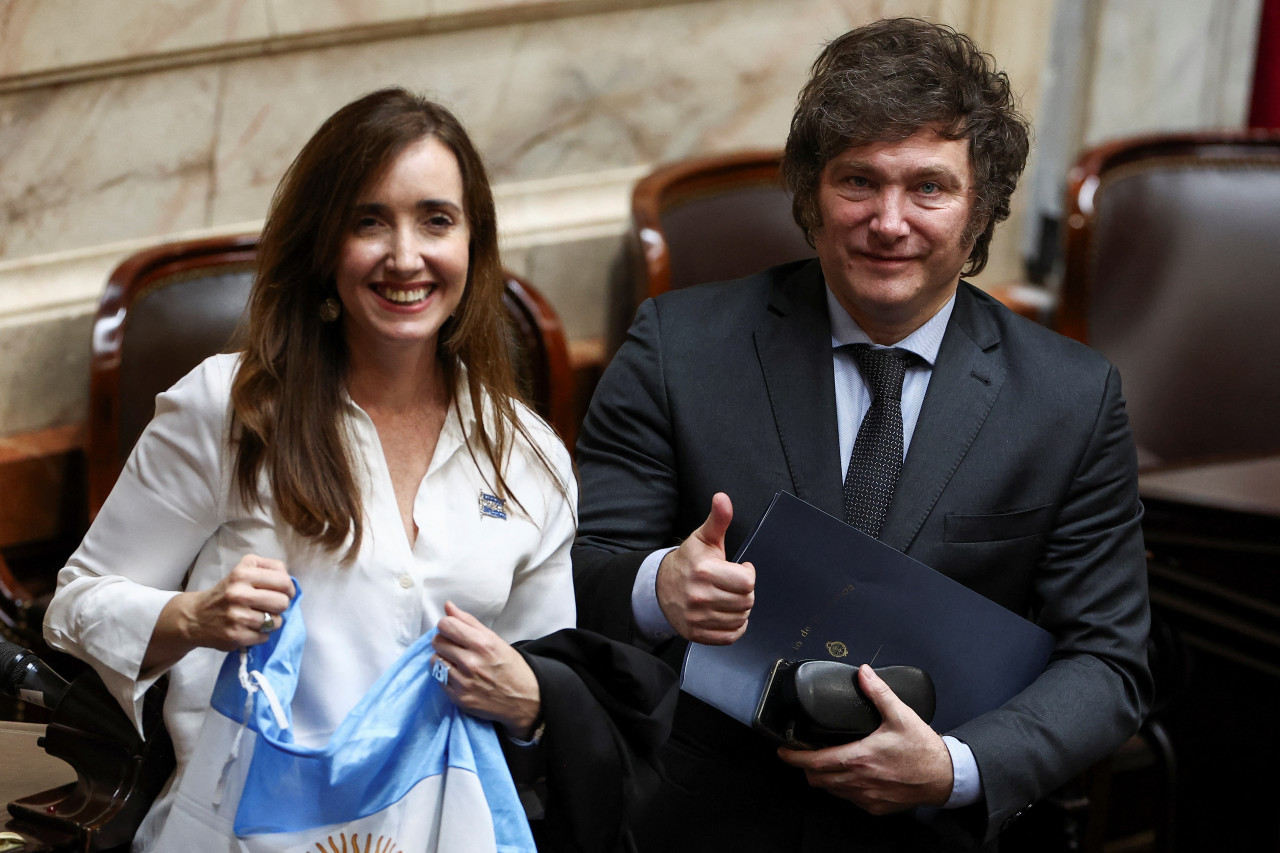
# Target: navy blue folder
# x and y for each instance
(827, 591)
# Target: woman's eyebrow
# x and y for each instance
(377, 207)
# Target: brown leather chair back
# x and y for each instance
(705, 219)
(1173, 272)
(167, 308)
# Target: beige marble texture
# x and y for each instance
(1164, 65)
(568, 110)
(152, 153)
(61, 40)
(46, 35)
(106, 161)
(44, 372)
(126, 123)
(456, 6)
(290, 17)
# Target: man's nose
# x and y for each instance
(889, 219)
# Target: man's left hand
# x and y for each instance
(901, 765)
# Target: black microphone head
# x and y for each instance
(27, 678)
(12, 666)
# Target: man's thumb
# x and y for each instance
(713, 529)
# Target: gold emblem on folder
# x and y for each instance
(837, 649)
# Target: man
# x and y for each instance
(1019, 477)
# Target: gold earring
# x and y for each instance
(330, 310)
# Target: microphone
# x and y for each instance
(24, 676)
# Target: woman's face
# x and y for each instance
(402, 267)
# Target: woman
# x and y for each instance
(368, 442)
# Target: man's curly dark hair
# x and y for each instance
(887, 80)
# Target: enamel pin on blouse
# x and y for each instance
(493, 506)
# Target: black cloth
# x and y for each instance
(1021, 483)
(608, 708)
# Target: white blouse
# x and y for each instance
(175, 521)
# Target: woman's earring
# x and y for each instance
(330, 310)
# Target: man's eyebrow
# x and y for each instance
(932, 171)
(929, 170)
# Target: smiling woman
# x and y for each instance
(368, 449)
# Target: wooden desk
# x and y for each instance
(1241, 486)
(25, 768)
(1213, 534)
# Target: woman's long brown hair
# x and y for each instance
(287, 396)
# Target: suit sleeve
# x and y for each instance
(607, 708)
(629, 484)
(1091, 590)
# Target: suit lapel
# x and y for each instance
(793, 343)
(966, 380)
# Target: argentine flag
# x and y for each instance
(405, 771)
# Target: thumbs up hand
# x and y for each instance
(706, 598)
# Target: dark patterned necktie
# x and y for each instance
(876, 460)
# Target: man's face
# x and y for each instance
(892, 239)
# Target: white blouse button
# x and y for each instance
(406, 582)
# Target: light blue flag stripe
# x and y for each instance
(404, 730)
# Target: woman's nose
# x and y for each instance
(405, 256)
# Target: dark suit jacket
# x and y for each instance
(1020, 482)
(607, 711)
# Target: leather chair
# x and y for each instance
(1170, 271)
(164, 310)
(704, 219)
(718, 218)
(167, 308)
(714, 218)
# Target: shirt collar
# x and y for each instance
(924, 341)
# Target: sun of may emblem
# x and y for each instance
(382, 845)
(837, 649)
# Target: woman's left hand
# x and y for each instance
(487, 677)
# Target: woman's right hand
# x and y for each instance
(229, 615)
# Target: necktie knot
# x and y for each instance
(883, 370)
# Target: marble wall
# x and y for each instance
(125, 123)
(1120, 68)
(1194, 69)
